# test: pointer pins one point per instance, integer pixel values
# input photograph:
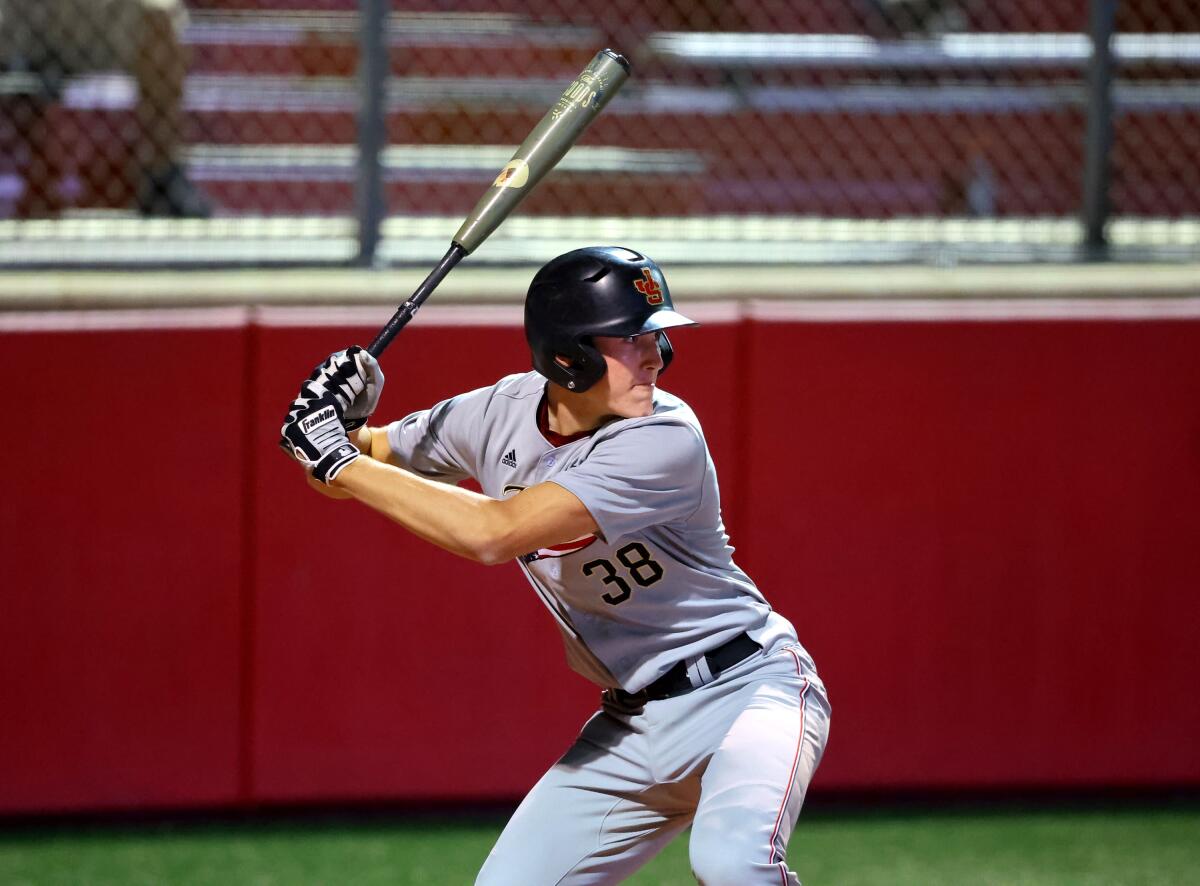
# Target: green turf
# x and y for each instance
(1056, 848)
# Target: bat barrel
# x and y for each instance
(545, 145)
(542, 149)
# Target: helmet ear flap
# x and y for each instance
(587, 368)
(576, 368)
(665, 351)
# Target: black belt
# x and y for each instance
(676, 681)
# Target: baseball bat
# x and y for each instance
(542, 149)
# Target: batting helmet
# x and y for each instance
(599, 290)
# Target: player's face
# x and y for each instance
(633, 366)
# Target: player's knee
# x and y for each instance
(492, 875)
(719, 859)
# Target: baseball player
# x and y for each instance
(600, 486)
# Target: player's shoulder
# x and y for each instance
(502, 393)
(519, 386)
(672, 427)
(669, 411)
(668, 407)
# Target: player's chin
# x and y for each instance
(639, 402)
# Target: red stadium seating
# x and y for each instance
(281, 77)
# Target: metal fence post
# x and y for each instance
(373, 71)
(1099, 137)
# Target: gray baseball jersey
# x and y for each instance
(657, 584)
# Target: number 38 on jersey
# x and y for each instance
(633, 562)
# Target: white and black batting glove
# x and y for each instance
(314, 435)
(352, 376)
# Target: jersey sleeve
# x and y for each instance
(644, 476)
(434, 442)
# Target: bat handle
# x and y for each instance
(408, 310)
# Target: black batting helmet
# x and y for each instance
(599, 290)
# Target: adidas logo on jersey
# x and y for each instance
(510, 458)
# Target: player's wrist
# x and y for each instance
(362, 439)
(332, 463)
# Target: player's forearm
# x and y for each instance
(458, 520)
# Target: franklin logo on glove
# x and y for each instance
(313, 432)
(328, 414)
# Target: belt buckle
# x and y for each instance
(699, 671)
(688, 674)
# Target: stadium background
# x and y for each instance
(947, 256)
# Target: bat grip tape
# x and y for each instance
(408, 310)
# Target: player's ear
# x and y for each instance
(562, 361)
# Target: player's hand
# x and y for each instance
(314, 435)
(352, 376)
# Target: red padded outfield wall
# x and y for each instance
(985, 524)
(122, 539)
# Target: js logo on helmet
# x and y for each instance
(649, 287)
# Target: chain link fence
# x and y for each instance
(232, 131)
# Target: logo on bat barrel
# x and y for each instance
(514, 175)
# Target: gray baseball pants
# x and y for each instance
(733, 759)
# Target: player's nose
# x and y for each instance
(650, 355)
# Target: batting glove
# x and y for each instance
(353, 377)
(314, 434)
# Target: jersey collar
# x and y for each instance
(554, 438)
